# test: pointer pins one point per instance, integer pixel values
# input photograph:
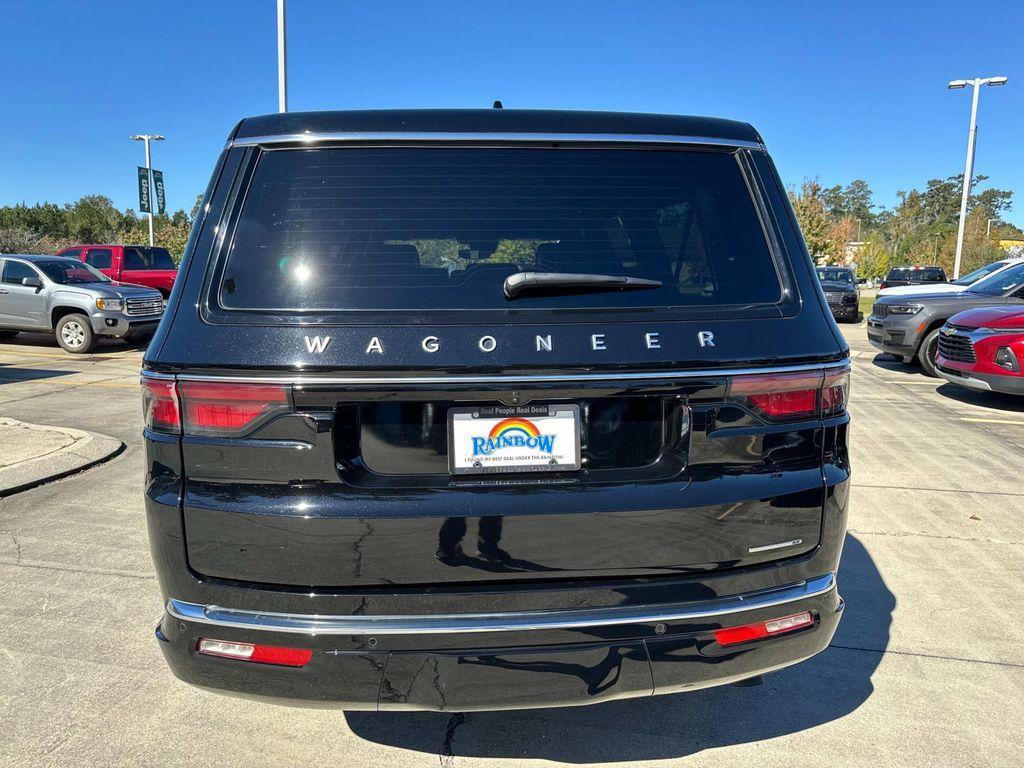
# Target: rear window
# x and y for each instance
(924, 275)
(147, 258)
(834, 275)
(399, 229)
(973, 277)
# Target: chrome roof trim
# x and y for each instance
(298, 379)
(458, 623)
(443, 136)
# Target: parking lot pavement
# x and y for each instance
(927, 668)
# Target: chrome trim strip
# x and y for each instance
(443, 136)
(770, 547)
(299, 380)
(312, 624)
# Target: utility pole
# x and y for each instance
(988, 228)
(148, 137)
(976, 83)
(282, 60)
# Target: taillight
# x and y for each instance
(762, 629)
(227, 408)
(835, 391)
(261, 654)
(783, 396)
(160, 409)
(883, 285)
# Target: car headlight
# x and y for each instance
(904, 309)
(1006, 359)
(110, 305)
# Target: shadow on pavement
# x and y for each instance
(994, 400)
(825, 688)
(105, 344)
(890, 363)
(12, 375)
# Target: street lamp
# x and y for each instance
(148, 137)
(968, 173)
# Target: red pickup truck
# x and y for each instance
(138, 264)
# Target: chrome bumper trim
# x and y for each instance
(312, 380)
(311, 624)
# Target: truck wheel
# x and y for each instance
(74, 334)
(927, 353)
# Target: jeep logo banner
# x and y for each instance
(158, 190)
(145, 200)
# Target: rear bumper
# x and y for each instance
(502, 660)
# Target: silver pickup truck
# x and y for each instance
(74, 301)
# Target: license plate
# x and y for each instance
(527, 438)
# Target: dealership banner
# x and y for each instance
(145, 206)
(158, 189)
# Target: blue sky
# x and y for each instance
(848, 93)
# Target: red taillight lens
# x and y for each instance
(835, 391)
(785, 396)
(227, 408)
(883, 285)
(261, 654)
(160, 406)
(780, 396)
(760, 629)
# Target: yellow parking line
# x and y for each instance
(19, 351)
(992, 421)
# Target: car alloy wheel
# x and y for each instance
(73, 334)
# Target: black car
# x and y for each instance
(913, 276)
(841, 292)
(458, 410)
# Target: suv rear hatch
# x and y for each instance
(370, 408)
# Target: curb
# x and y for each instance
(85, 450)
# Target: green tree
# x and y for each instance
(93, 219)
(809, 207)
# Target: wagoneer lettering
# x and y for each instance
(539, 421)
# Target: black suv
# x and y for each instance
(899, 276)
(459, 410)
(841, 292)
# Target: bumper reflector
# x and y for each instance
(761, 629)
(261, 654)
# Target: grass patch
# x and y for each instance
(865, 305)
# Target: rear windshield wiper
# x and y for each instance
(523, 282)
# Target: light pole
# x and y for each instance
(282, 61)
(148, 137)
(971, 137)
(988, 228)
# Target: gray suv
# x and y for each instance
(74, 301)
(908, 326)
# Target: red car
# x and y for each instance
(138, 264)
(984, 349)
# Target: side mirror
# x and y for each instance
(32, 282)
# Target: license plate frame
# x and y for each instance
(512, 447)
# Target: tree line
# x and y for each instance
(842, 224)
(48, 227)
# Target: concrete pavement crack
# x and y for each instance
(935, 490)
(938, 656)
(447, 756)
(906, 534)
